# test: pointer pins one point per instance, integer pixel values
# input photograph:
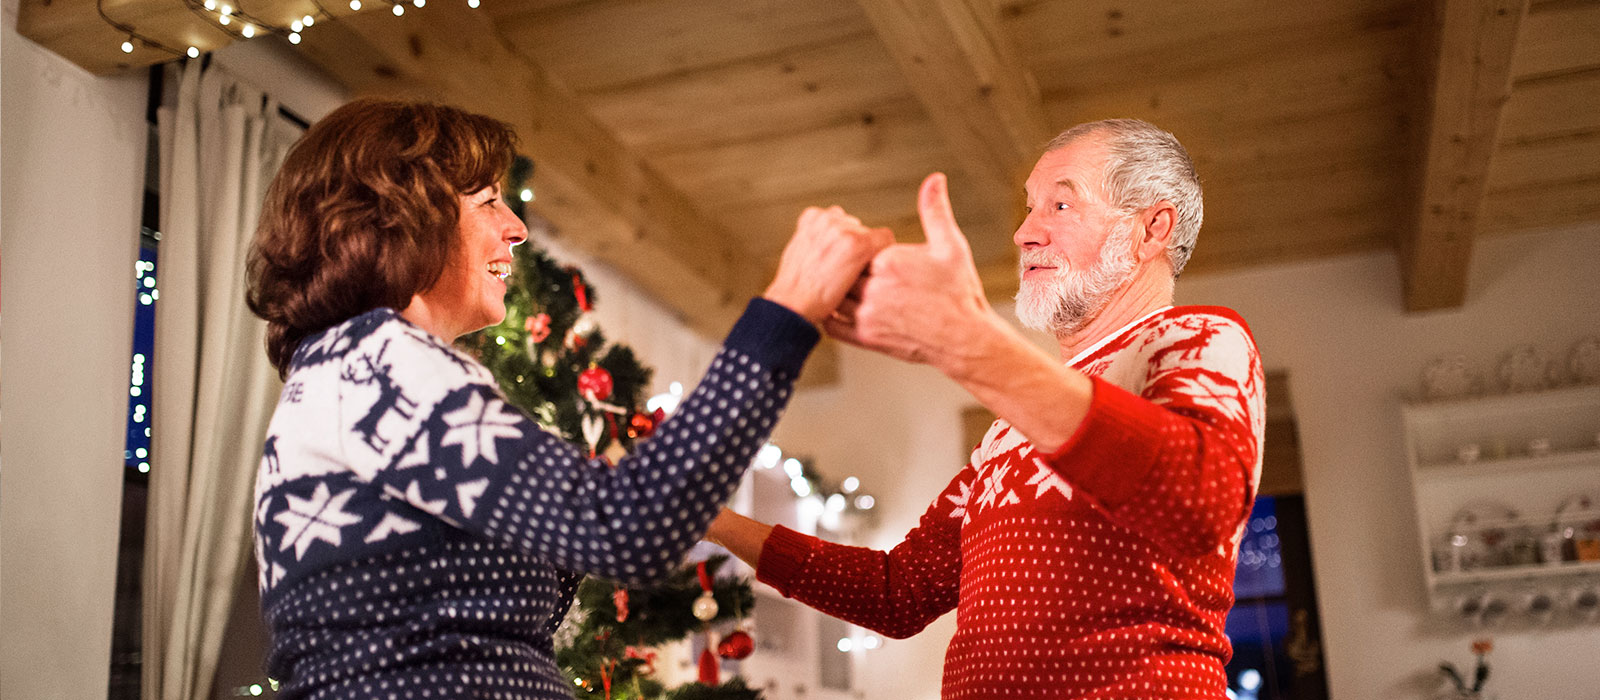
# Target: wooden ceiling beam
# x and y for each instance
(1476, 41)
(981, 97)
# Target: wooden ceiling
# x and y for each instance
(678, 139)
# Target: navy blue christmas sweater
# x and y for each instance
(419, 537)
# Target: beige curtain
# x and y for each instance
(220, 143)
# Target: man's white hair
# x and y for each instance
(1144, 165)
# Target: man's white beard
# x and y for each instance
(1069, 299)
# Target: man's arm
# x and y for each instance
(896, 593)
(742, 536)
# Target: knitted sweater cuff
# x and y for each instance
(1115, 448)
(782, 557)
(773, 335)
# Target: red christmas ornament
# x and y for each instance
(641, 425)
(620, 597)
(737, 645)
(538, 327)
(595, 383)
(580, 291)
(709, 669)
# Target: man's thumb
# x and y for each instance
(938, 220)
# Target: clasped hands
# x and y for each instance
(919, 302)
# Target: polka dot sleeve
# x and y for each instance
(896, 593)
(461, 453)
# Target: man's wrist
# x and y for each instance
(971, 350)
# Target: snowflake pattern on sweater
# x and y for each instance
(1104, 570)
(419, 537)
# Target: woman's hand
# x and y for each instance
(827, 253)
(920, 302)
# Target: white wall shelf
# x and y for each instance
(1526, 454)
(1527, 574)
(1582, 460)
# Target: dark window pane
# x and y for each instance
(1260, 571)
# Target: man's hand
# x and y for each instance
(919, 302)
(823, 259)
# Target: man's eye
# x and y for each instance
(1060, 206)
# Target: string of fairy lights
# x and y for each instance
(230, 17)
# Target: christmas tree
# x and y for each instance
(554, 363)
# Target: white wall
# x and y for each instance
(70, 181)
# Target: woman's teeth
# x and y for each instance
(501, 270)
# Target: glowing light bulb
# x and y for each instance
(845, 644)
(227, 10)
(793, 468)
(420, 3)
(248, 31)
(472, 4)
(355, 5)
(865, 502)
(399, 10)
(294, 37)
(224, 20)
(850, 484)
(769, 456)
(127, 46)
(211, 5)
(194, 52)
(296, 26)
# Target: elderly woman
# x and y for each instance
(417, 536)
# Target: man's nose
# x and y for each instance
(1029, 234)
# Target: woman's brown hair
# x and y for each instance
(363, 213)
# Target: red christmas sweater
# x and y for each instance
(1104, 570)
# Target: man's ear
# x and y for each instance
(1158, 221)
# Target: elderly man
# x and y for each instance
(1089, 545)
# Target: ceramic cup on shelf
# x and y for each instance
(1584, 601)
(1525, 368)
(1470, 606)
(1539, 447)
(1450, 377)
(1551, 548)
(1538, 604)
(1583, 361)
(1495, 607)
